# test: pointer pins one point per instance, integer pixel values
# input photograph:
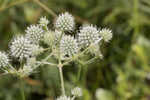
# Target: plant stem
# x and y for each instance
(135, 18)
(22, 89)
(79, 74)
(12, 4)
(45, 8)
(62, 80)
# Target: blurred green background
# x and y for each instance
(123, 73)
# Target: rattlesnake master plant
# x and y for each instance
(61, 47)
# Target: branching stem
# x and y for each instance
(61, 79)
(22, 89)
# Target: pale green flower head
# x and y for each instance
(102, 94)
(43, 21)
(76, 92)
(63, 98)
(106, 34)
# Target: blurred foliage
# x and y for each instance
(125, 70)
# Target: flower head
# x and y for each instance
(88, 35)
(34, 33)
(4, 61)
(68, 46)
(25, 71)
(63, 98)
(106, 34)
(43, 21)
(57, 36)
(52, 37)
(65, 22)
(102, 94)
(76, 91)
(21, 48)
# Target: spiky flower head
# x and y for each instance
(106, 34)
(4, 61)
(34, 33)
(43, 21)
(68, 46)
(102, 94)
(76, 92)
(52, 37)
(88, 35)
(20, 48)
(65, 22)
(48, 37)
(36, 50)
(25, 71)
(57, 36)
(63, 98)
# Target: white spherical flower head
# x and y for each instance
(76, 92)
(21, 48)
(88, 35)
(43, 21)
(106, 34)
(34, 33)
(63, 98)
(65, 22)
(68, 46)
(4, 61)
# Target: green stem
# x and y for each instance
(79, 73)
(135, 18)
(62, 80)
(45, 8)
(22, 89)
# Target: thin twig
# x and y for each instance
(48, 63)
(45, 8)
(13, 4)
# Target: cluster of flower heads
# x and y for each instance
(21, 49)
(70, 44)
(60, 39)
(76, 92)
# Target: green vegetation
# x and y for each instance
(122, 74)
